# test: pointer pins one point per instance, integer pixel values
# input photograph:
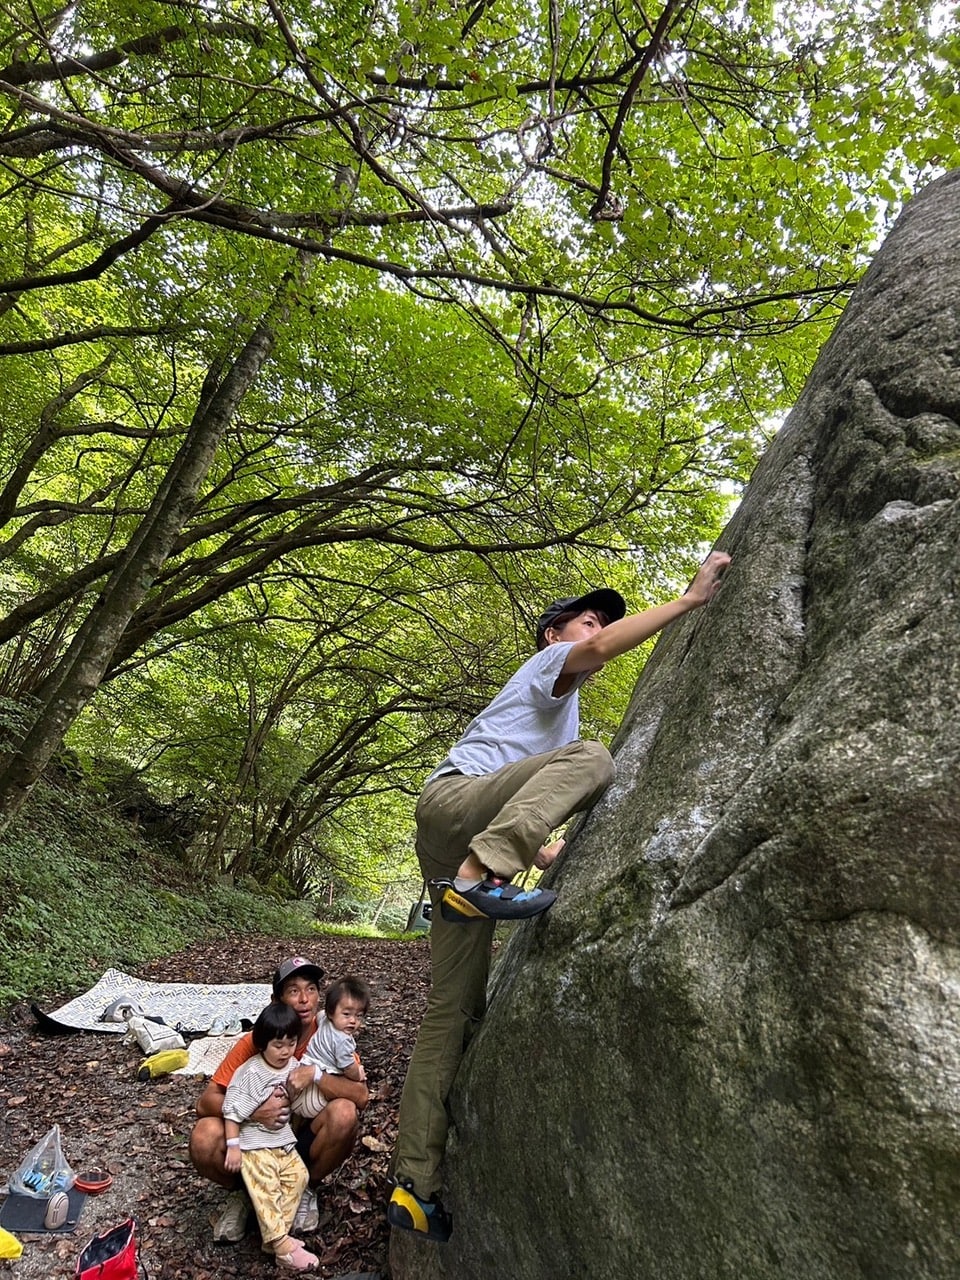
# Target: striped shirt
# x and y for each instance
(251, 1086)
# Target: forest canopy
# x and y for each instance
(336, 340)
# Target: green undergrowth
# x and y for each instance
(80, 892)
(362, 931)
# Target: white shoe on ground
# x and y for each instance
(308, 1214)
(231, 1226)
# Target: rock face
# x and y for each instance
(733, 1047)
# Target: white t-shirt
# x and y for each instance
(523, 720)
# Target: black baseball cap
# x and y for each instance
(604, 599)
(291, 968)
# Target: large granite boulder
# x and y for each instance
(733, 1047)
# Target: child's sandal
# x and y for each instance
(298, 1259)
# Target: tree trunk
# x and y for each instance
(73, 682)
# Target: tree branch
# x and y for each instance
(87, 335)
(19, 72)
(605, 207)
(96, 268)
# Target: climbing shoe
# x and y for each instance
(427, 1218)
(491, 899)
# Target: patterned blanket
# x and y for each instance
(192, 1008)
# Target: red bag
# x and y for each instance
(114, 1255)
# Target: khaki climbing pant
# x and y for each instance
(503, 818)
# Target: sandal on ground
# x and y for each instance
(299, 1259)
(269, 1249)
(492, 899)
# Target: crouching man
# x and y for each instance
(323, 1142)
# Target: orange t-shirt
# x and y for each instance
(243, 1050)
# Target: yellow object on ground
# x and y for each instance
(10, 1246)
(162, 1063)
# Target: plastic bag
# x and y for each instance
(44, 1169)
(160, 1064)
(113, 1255)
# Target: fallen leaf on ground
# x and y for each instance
(110, 1123)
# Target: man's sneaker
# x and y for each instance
(491, 899)
(231, 1226)
(425, 1217)
(307, 1217)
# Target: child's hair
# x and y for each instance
(276, 1022)
(356, 988)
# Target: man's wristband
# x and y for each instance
(317, 1074)
(233, 1142)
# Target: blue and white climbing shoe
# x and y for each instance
(491, 899)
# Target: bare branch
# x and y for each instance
(19, 72)
(605, 207)
(95, 334)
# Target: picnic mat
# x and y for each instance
(26, 1213)
(205, 1055)
(191, 1008)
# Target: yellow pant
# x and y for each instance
(275, 1178)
